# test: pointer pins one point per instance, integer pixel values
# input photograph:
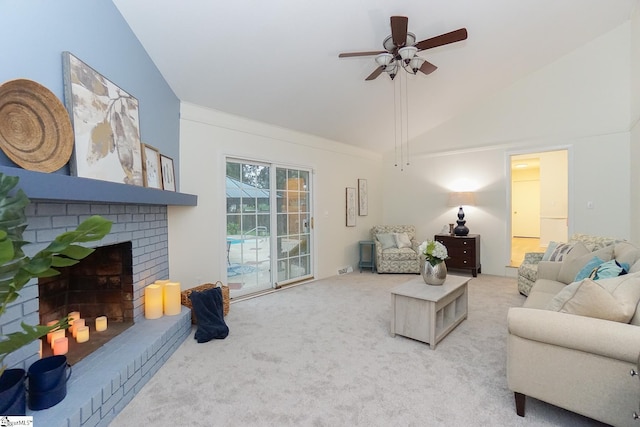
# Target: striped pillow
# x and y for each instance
(560, 251)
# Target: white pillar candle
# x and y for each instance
(153, 302)
(101, 323)
(78, 323)
(50, 323)
(60, 333)
(82, 334)
(60, 346)
(171, 299)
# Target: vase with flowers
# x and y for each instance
(434, 271)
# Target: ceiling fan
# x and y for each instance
(401, 48)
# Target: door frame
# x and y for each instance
(223, 212)
(509, 209)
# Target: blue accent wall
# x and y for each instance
(34, 33)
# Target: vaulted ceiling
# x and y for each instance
(277, 61)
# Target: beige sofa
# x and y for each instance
(564, 349)
(528, 270)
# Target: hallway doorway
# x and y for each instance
(539, 202)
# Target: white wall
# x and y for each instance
(197, 249)
(580, 102)
(635, 122)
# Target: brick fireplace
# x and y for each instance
(106, 380)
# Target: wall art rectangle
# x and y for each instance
(105, 123)
(351, 207)
(363, 198)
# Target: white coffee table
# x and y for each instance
(428, 313)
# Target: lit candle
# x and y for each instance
(60, 333)
(82, 334)
(40, 351)
(171, 298)
(153, 302)
(78, 323)
(60, 346)
(101, 323)
(73, 316)
(161, 283)
(50, 323)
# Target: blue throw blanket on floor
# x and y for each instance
(208, 308)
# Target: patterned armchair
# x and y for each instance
(396, 249)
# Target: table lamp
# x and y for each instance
(460, 199)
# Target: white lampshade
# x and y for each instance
(415, 63)
(384, 59)
(464, 198)
(407, 52)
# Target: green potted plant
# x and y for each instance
(17, 269)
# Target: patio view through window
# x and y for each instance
(268, 221)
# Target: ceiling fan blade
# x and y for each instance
(375, 73)
(427, 67)
(442, 39)
(350, 54)
(399, 26)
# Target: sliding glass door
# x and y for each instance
(259, 259)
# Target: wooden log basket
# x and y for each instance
(225, 297)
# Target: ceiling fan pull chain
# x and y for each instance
(395, 121)
(406, 100)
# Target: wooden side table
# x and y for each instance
(367, 257)
(464, 251)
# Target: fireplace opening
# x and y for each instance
(99, 285)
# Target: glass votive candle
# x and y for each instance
(82, 334)
(60, 346)
(101, 323)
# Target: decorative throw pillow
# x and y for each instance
(608, 269)
(609, 299)
(560, 251)
(588, 269)
(578, 258)
(402, 240)
(550, 248)
(387, 240)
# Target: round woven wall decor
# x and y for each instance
(35, 129)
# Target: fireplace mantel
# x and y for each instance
(59, 187)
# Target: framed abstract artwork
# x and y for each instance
(151, 167)
(351, 207)
(168, 174)
(105, 125)
(363, 198)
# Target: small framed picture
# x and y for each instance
(168, 177)
(151, 167)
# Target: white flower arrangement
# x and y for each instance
(434, 251)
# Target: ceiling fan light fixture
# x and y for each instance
(384, 59)
(392, 70)
(407, 53)
(415, 63)
(389, 46)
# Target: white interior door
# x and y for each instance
(525, 209)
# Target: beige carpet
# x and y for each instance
(320, 354)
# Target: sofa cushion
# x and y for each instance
(626, 253)
(542, 292)
(395, 254)
(402, 240)
(387, 240)
(578, 258)
(613, 299)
